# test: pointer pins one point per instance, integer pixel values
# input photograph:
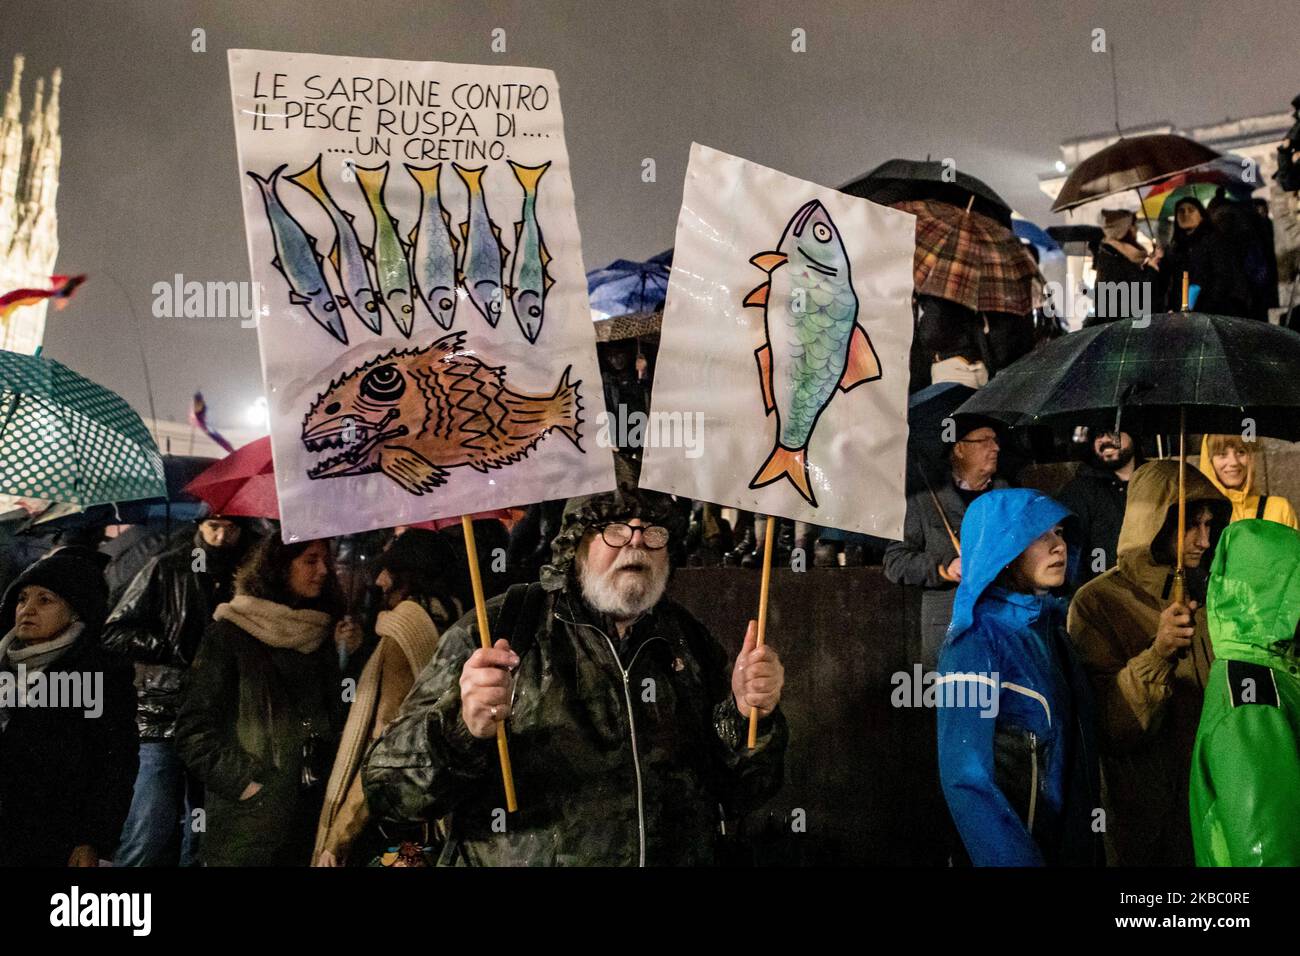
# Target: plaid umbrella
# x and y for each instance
(64, 438)
(970, 259)
(1219, 370)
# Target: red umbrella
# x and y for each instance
(241, 484)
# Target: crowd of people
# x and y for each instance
(252, 714)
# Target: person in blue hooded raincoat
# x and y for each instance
(1016, 754)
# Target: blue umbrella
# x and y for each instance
(625, 288)
(1029, 232)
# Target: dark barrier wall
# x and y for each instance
(863, 772)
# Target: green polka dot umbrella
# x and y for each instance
(64, 438)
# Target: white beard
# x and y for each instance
(630, 597)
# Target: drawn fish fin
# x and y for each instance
(371, 180)
(767, 261)
(519, 227)
(310, 179)
(863, 364)
(547, 282)
(788, 464)
(528, 176)
(410, 469)
(412, 236)
(472, 178)
(543, 252)
(758, 297)
(426, 177)
(763, 354)
(464, 230)
(334, 254)
(275, 264)
(297, 298)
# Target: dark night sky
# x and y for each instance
(150, 188)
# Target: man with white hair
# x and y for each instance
(627, 729)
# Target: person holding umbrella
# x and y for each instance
(65, 770)
(929, 556)
(1199, 249)
(1149, 660)
(260, 707)
(1229, 462)
(1245, 789)
(1122, 264)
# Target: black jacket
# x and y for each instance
(624, 751)
(158, 624)
(1115, 268)
(244, 716)
(1213, 265)
(66, 778)
(1098, 497)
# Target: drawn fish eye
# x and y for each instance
(406, 309)
(821, 232)
(534, 312)
(370, 305)
(383, 384)
(444, 303)
(330, 306)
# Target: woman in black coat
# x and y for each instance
(261, 707)
(1201, 251)
(68, 747)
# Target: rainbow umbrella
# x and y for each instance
(1162, 206)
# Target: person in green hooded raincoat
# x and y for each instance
(1245, 782)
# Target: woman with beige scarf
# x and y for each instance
(260, 707)
(412, 574)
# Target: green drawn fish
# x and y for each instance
(298, 261)
(346, 255)
(433, 256)
(529, 280)
(483, 258)
(391, 267)
(814, 342)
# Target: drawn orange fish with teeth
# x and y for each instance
(414, 413)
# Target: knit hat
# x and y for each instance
(75, 574)
(590, 511)
(1116, 223)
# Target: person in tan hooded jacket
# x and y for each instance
(1229, 462)
(1148, 659)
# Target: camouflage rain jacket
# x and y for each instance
(625, 752)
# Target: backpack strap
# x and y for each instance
(519, 616)
(1259, 509)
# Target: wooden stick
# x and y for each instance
(480, 608)
(1177, 592)
(768, 536)
(1186, 284)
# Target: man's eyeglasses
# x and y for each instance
(616, 534)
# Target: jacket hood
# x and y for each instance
(626, 501)
(998, 526)
(1152, 502)
(1253, 602)
(1237, 496)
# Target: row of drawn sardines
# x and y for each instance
(431, 268)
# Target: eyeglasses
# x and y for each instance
(616, 534)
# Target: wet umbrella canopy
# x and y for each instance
(902, 180)
(1228, 374)
(64, 438)
(1128, 163)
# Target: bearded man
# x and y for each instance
(627, 732)
(1097, 494)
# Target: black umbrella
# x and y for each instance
(899, 180)
(1128, 163)
(1161, 373)
(1221, 370)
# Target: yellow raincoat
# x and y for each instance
(1245, 500)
